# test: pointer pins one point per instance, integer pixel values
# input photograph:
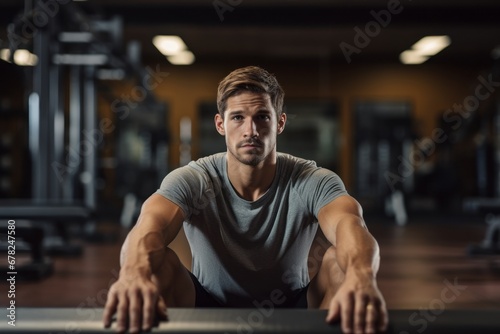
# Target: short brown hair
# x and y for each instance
(250, 79)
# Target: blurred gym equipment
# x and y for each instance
(383, 137)
(76, 55)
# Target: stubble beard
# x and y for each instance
(252, 158)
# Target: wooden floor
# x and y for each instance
(424, 265)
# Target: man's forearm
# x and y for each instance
(142, 251)
(357, 302)
(144, 247)
(158, 224)
(357, 250)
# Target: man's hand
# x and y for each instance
(137, 303)
(359, 305)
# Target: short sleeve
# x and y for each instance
(182, 186)
(318, 187)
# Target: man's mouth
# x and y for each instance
(251, 144)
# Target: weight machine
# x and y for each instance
(80, 50)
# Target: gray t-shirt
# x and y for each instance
(246, 252)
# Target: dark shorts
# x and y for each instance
(205, 299)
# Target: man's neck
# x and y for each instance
(251, 182)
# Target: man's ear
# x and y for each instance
(219, 124)
(281, 123)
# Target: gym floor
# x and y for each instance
(424, 265)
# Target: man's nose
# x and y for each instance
(250, 128)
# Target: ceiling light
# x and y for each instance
(5, 54)
(431, 45)
(169, 45)
(22, 57)
(182, 58)
(412, 57)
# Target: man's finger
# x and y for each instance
(161, 308)
(347, 309)
(372, 311)
(360, 313)
(148, 310)
(333, 312)
(122, 313)
(109, 309)
(135, 311)
(383, 320)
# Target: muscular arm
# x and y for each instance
(158, 224)
(134, 297)
(342, 223)
(358, 301)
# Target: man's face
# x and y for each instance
(250, 126)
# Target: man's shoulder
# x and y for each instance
(301, 169)
(294, 162)
(210, 162)
(208, 167)
(202, 171)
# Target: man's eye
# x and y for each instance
(237, 117)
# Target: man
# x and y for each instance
(250, 215)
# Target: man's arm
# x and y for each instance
(134, 297)
(358, 301)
